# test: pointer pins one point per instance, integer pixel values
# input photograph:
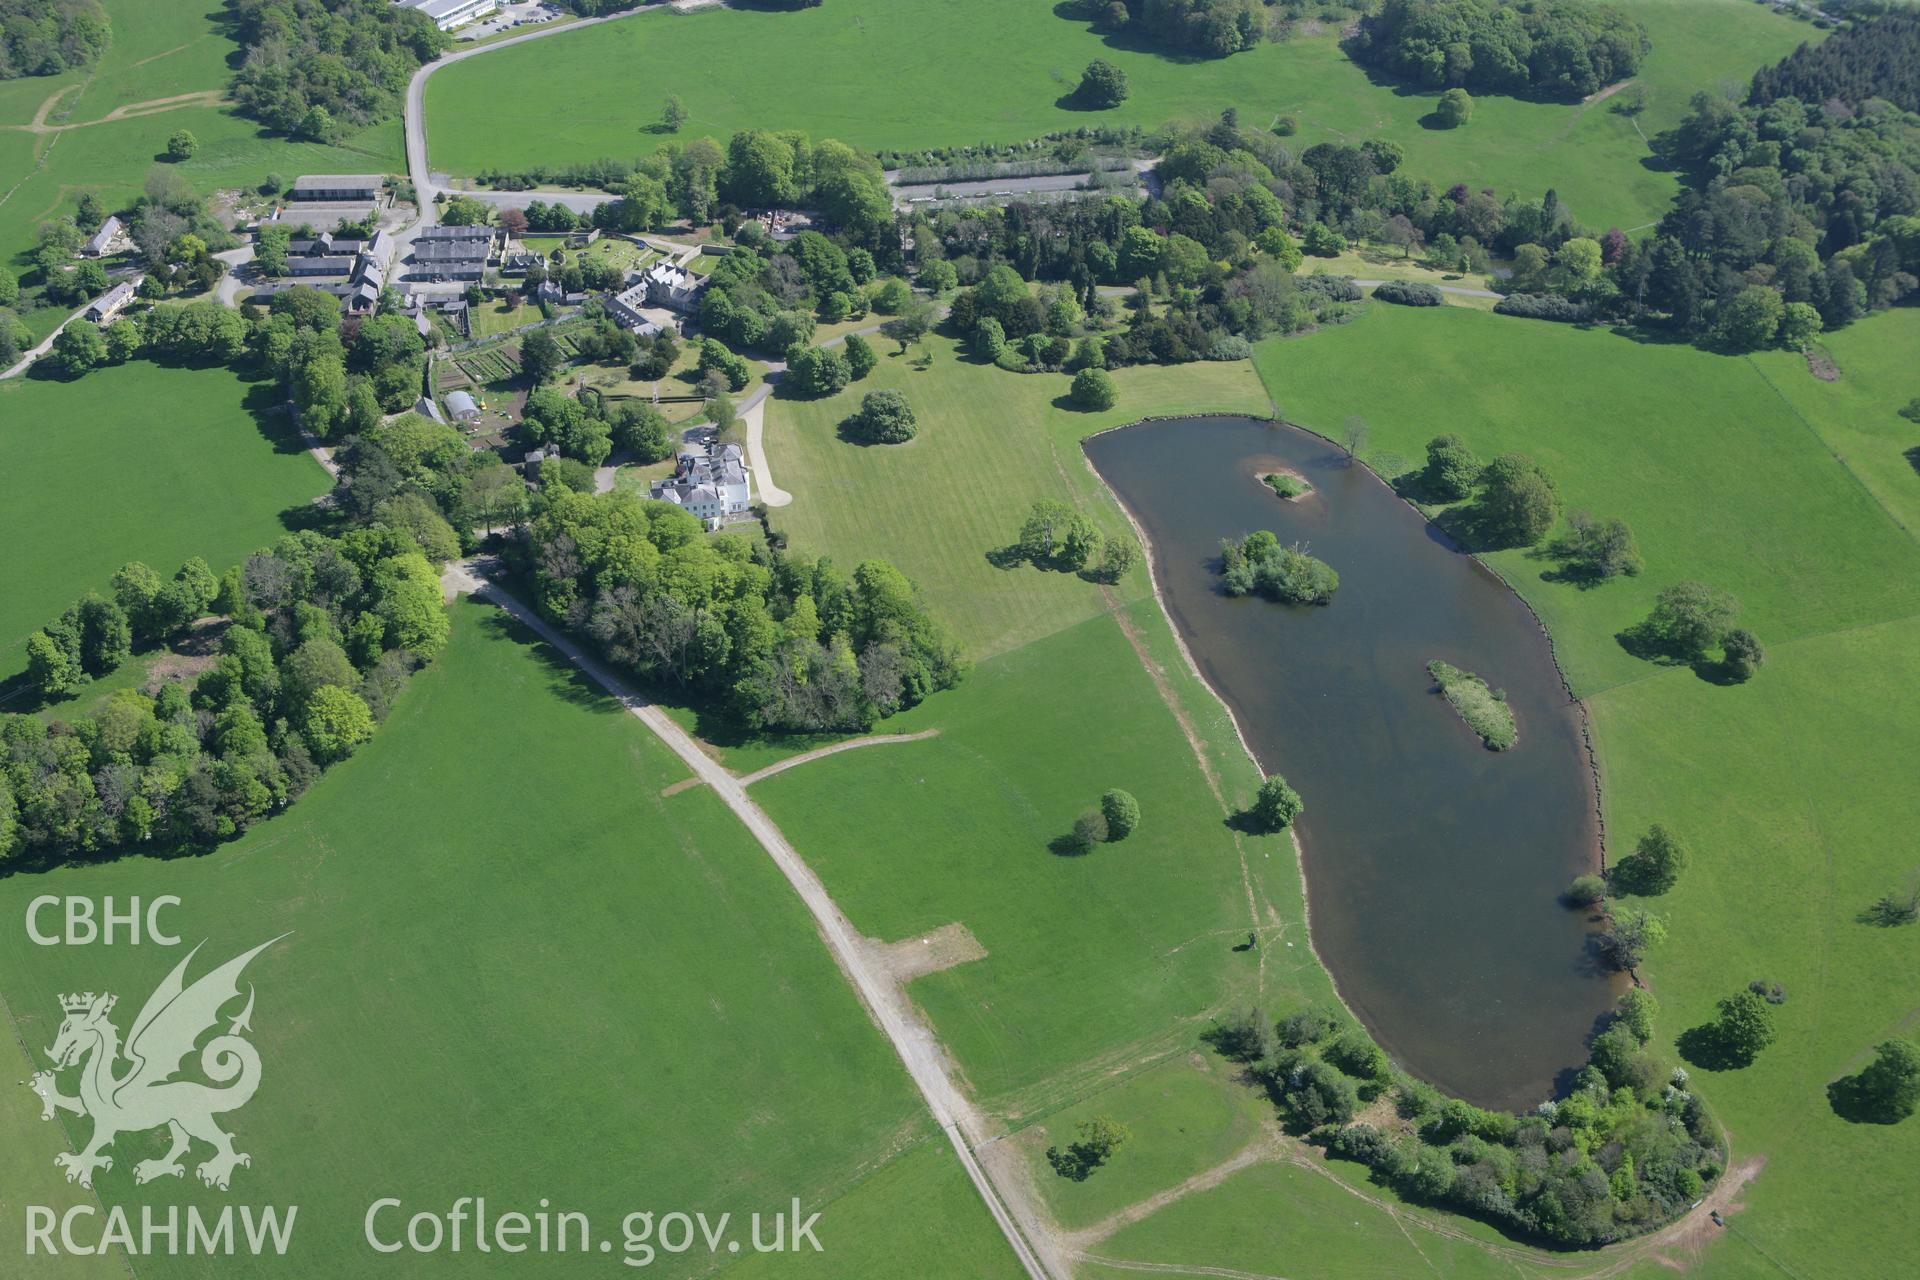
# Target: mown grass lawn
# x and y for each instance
(1183, 1117)
(1095, 963)
(1858, 415)
(990, 444)
(1274, 1215)
(879, 73)
(1791, 790)
(138, 462)
(516, 970)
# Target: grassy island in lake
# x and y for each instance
(1484, 708)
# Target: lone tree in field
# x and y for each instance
(1100, 1137)
(1276, 806)
(1743, 1028)
(1690, 618)
(1896, 906)
(1102, 85)
(884, 418)
(1122, 813)
(909, 326)
(1655, 864)
(673, 114)
(1886, 1090)
(181, 145)
(1094, 389)
(1455, 108)
(1055, 536)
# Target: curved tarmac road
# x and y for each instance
(418, 171)
(912, 1040)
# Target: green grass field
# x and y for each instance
(515, 969)
(137, 462)
(966, 75)
(1097, 963)
(1784, 489)
(1858, 416)
(1720, 479)
(990, 444)
(1271, 1216)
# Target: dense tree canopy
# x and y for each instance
(1545, 48)
(778, 640)
(46, 37)
(319, 69)
(1214, 28)
(1259, 564)
(316, 637)
(1102, 85)
(1877, 59)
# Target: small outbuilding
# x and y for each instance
(461, 405)
(103, 239)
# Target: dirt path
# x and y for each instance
(1261, 1150)
(871, 740)
(130, 111)
(1018, 1216)
(1603, 94)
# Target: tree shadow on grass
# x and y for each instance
(1704, 1047)
(1642, 642)
(1244, 823)
(1913, 458)
(1851, 1103)
(1127, 39)
(1069, 846)
(712, 727)
(19, 695)
(1566, 569)
(1007, 557)
(264, 402)
(566, 680)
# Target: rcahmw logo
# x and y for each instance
(147, 1095)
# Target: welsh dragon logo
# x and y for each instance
(146, 1095)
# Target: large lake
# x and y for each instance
(1433, 866)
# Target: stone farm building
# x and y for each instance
(336, 188)
(104, 308)
(452, 252)
(103, 239)
(660, 285)
(351, 269)
(710, 486)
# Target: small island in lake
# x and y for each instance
(1483, 708)
(1288, 485)
(1259, 565)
